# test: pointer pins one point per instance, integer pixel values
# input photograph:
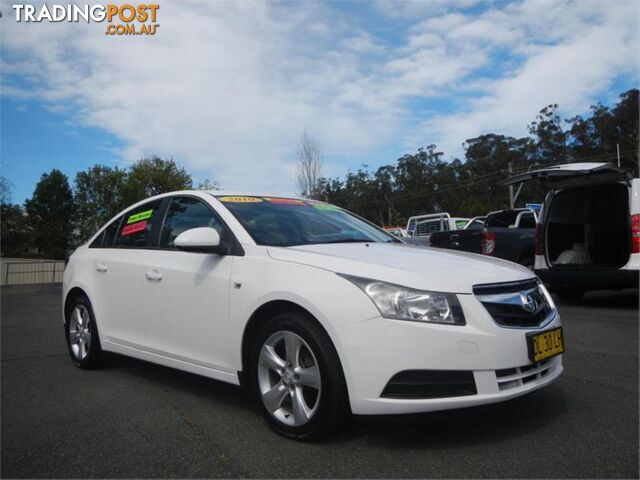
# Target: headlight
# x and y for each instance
(402, 303)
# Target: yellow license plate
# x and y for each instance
(545, 344)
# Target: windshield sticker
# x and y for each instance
(286, 201)
(140, 216)
(326, 207)
(240, 199)
(136, 227)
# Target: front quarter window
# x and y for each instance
(106, 238)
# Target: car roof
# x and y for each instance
(223, 193)
(236, 193)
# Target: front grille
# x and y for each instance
(516, 304)
(517, 377)
(416, 384)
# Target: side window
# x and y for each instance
(97, 242)
(183, 214)
(527, 221)
(135, 229)
(110, 233)
(105, 239)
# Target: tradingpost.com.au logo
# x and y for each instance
(122, 19)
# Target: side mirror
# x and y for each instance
(200, 240)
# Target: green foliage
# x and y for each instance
(153, 176)
(51, 218)
(14, 235)
(595, 138)
(98, 196)
(5, 191)
(15, 238)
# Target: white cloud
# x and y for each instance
(595, 45)
(423, 8)
(227, 88)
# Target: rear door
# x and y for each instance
(188, 296)
(562, 177)
(119, 269)
(569, 175)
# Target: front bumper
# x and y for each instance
(379, 348)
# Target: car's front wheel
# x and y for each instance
(81, 331)
(298, 377)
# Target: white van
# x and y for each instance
(588, 235)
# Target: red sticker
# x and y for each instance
(133, 228)
(286, 201)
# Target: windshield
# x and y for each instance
(285, 222)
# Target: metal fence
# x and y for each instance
(16, 271)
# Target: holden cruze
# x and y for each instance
(315, 311)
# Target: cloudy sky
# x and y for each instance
(226, 88)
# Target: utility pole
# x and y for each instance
(618, 150)
(511, 200)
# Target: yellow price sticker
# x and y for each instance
(240, 199)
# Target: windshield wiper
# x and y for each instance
(349, 240)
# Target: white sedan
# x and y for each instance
(315, 311)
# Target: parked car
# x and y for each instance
(507, 234)
(588, 237)
(315, 311)
(420, 227)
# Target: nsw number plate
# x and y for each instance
(545, 344)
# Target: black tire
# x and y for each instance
(569, 294)
(93, 355)
(332, 409)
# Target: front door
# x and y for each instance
(189, 294)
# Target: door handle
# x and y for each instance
(153, 275)
(102, 267)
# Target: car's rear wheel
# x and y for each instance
(297, 376)
(83, 341)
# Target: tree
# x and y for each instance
(207, 184)
(15, 238)
(152, 176)
(598, 137)
(98, 194)
(5, 191)
(309, 167)
(14, 235)
(51, 213)
(549, 139)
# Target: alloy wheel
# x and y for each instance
(289, 378)
(80, 332)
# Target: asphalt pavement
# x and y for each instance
(136, 419)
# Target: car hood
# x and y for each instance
(417, 267)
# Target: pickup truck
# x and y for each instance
(421, 227)
(508, 234)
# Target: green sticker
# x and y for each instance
(140, 216)
(326, 207)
